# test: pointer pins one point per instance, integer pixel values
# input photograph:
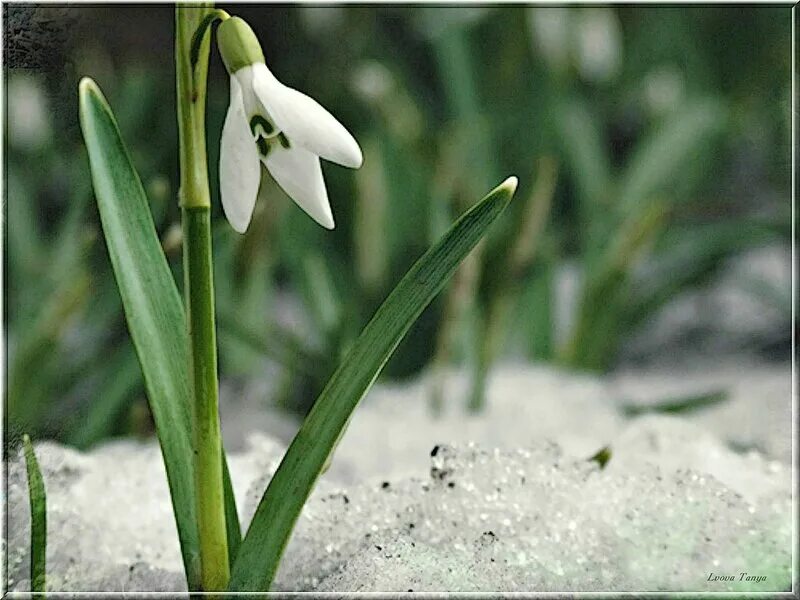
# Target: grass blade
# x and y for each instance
(586, 156)
(601, 457)
(597, 333)
(582, 140)
(38, 501)
(676, 406)
(110, 398)
(153, 310)
(233, 528)
(690, 256)
(279, 344)
(272, 524)
(660, 157)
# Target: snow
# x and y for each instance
(504, 501)
(535, 520)
(757, 412)
(524, 404)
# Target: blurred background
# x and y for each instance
(652, 224)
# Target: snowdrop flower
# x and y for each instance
(270, 123)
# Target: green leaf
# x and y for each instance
(233, 528)
(38, 501)
(689, 256)
(583, 142)
(673, 406)
(114, 391)
(279, 344)
(274, 519)
(597, 330)
(153, 309)
(659, 158)
(601, 457)
(587, 158)
(321, 294)
(25, 244)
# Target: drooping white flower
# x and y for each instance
(270, 123)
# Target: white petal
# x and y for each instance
(252, 105)
(304, 121)
(299, 173)
(239, 167)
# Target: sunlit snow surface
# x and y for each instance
(502, 502)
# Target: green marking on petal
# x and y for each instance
(284, 141)
(263, 146)
(265, 125)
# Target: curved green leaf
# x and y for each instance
(153, 310)
(263, 545)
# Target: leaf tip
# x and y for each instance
(509, 185)
(88, 90)
(86, 86)
(27, 451)
(505, 190)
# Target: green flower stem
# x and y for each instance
(191, 66)
(191, 87)
(199, 286)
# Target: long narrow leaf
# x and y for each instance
(272, 524)
(153, 310)
(38, 501)
(690, 256)
(278, 344)
(586, 157)
(597, 329)
(659, 158)
(672, 406)
(233, 529)
(114, 391)
(587, 160)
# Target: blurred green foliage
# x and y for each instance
(651, 145)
